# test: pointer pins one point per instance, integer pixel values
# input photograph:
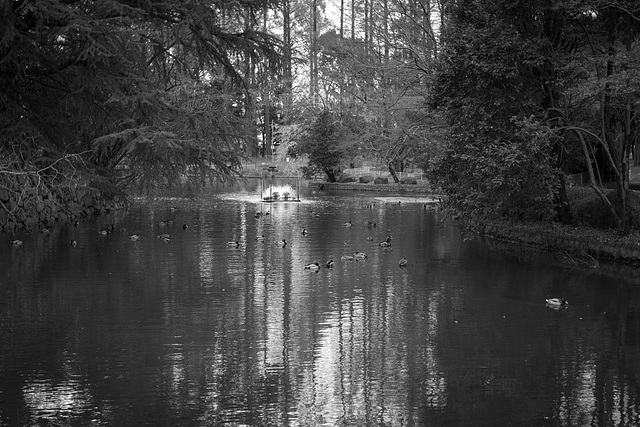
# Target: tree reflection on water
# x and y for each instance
(115, 332)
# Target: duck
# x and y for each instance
(163, 224)
(347, 257)
(403, 262)
(233, 244)
(347, 224)
(260, 238)
(330, 263)
(166, 239)
(76, 223)
(46, 230)
(185, 226)
(359, 255)
(104, 232)
(558, 302)
(386, 242)
(314, 266)
(173, 209)
(16, 242)
(164, 236)
(134, 237)
(282, 243)
(73, 243)
(304, 231)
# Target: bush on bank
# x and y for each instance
(590, 238)
(30, 199)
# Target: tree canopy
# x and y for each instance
(499, 99)
(551, 83)
(136, 92)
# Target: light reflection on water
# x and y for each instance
(193, 332)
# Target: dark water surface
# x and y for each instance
(195, 333)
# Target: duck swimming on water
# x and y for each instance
(558, 302)
(314, 266)
(360, 255)
(385, 243)
(330, 263)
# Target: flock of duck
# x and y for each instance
(357, 256)
(314, 266)
(110, 229)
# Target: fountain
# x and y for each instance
(278, 192)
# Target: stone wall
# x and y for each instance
(357, 186)
(27, 200)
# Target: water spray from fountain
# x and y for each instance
(274, 192)
(279, 193)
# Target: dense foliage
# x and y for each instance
(534, 90)
(499, 99)
(131, 93)
(320, 141)
(371, 73)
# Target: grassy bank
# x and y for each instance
(591, 237)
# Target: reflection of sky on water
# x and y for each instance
(49, 401)
(197, 333)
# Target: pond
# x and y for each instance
(189, 331)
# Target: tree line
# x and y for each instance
(498, 100)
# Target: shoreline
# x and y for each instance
(579, 245)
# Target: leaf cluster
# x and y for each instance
(511, 78)
(148, 93)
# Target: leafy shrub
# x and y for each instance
(588, 209)
(486, 173)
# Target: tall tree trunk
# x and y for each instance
(266, 99)
(341, 100)
(268, 140)
(287, 49)
(341, 19)
(617, 149)
(353, 19)
(365, 24)
(385, 21)
(313, 53)
(249, 105)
